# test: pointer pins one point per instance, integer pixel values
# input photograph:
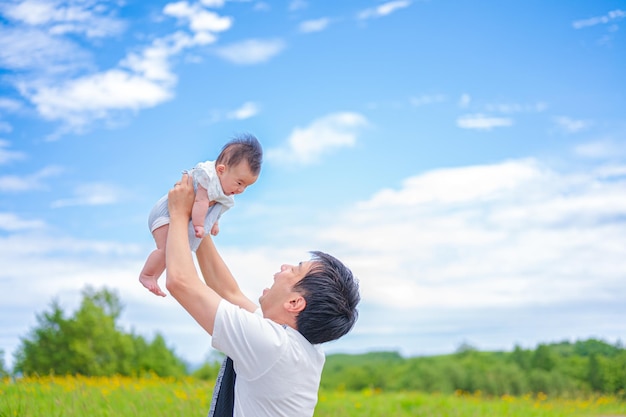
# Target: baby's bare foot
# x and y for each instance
(151, 284)
(199, 231)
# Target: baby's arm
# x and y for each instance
(199, 210)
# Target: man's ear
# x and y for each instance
(295, 304)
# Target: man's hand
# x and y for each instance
(181, 197)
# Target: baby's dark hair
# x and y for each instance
(242, 147)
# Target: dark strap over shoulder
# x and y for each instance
(223, 401)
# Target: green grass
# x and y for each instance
(371, 403)
(153, 397)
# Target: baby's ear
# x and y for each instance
(220, 168)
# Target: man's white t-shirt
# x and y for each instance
(278, 370)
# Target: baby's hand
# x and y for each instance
(199, 230)
(215, 229)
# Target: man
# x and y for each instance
(276, 356)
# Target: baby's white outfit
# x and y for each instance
(204, 174)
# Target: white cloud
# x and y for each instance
(80, 101)
(516, 233)
(10, 105)
(316, 25)
(307, 145)
(213, 3)
(200, 20)
(252, 51)
(15, 183)
(30, 12)
(91, 18)
(609, 17)
(142, 80)
(383, 9)
(601, 149)
(246, 111)
(152, 63)
(569, 125)
(54, 79)
(295, 5)
(12, 222)
(7, 155)
(34, 51)
(474, 183)
(516, 107)
(93, 194)
(505, 108)
(482, 122)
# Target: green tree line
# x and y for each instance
(90, 342)
(560, 369)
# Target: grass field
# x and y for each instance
(153, 397)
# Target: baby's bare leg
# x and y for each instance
(155, 264)
(199, 210)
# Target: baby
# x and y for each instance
(236, 167)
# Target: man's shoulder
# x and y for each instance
(256, 328)
(231, 314)
(302, 347)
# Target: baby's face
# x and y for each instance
(235, 179)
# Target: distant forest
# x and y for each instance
(89, 342)
(559, 369)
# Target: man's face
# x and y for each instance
(235, 179)
(273, 299)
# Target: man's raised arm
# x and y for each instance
(218, 277)
(182, 279)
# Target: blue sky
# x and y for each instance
(466, 159)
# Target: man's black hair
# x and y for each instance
(332, 294)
